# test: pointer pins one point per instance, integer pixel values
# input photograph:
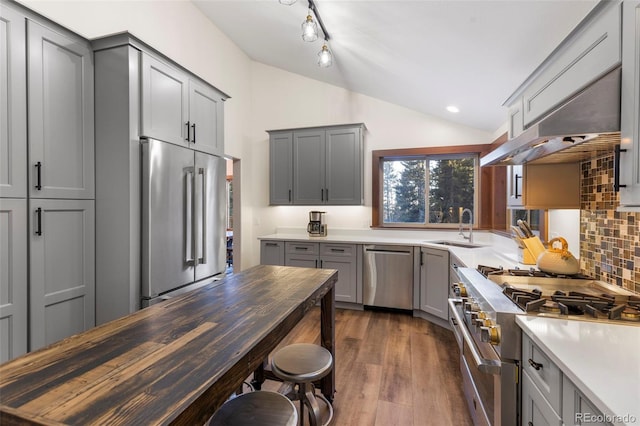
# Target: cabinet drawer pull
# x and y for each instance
(38, 176)
(337, 250)
(536, 365)
(193, 136)
(302, 248)
(39, 221)
(188, 138)
(271, 244)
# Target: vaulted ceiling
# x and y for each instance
(420, 54)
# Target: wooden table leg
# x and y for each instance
(328, 340)
(259, 376)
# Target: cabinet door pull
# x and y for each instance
(289, 195)
(515, 184)
(616, 169)
(321, 194)
(193, 136)
(38, 176)
(39, 221)
(536, 365)
(188, 138)
(326, 194)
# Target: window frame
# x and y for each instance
(378, 157)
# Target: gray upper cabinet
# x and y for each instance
(13, 104)
(207, 118)
(309, 167)
(343, 179)
(178, 109)
(61, 111)
(13, 278)
(320, 165)
(586, 56)
(281, 168)
(62, 271)
(165, 101)
(630, 119)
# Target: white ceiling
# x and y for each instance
(420, 54)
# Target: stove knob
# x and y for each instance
(490, 334)
(471, 306)
(482, 322)
(459, 289)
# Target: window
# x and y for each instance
(427, 187)
(427, 190)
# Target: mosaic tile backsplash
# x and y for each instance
(609, 240)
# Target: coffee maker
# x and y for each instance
(316, 226)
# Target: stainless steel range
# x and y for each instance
(483, 306)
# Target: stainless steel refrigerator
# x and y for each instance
(183, 219)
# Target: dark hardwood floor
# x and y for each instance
(391, 369)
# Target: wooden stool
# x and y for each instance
(299, 365)
(256, 408)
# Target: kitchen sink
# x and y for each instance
(454, 244)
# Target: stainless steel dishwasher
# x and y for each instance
(388, 276)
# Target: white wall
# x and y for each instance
(262, 98)
(566, 224)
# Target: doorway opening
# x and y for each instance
(233, 215)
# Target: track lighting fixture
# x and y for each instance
(309, 28)
(324, 57)
(310, 32)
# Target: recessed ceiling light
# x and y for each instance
(452, 108)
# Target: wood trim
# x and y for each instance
(485, 186)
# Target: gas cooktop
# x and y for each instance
(575, 296)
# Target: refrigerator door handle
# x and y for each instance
(203, 172)
(189, 215)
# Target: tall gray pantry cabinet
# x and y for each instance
(47, 183)
(139, 93)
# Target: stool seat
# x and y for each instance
(302, 362)
(299, 365)
(256, 408)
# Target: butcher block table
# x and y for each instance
(172, 363)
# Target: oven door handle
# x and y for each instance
(489, 366)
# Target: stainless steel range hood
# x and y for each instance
(593, 112)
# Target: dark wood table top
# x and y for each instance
(174, 362)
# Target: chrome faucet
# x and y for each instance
(470, 237)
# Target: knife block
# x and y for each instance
(525, 256)
(533, 249)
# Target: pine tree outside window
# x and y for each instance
(428, 190)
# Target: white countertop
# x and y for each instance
(496, 250)
(601, 359)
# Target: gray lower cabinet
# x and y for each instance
(13, 278)
(272, 253)
(576, 408)
(536, 410)
(434, 282)
(548, 396)
(61, 114)
(178, 109)
(62, 271)
(630, 109)
(315, 166)
(343, 257)
(13, 104)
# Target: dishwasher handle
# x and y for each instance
(388, 251)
